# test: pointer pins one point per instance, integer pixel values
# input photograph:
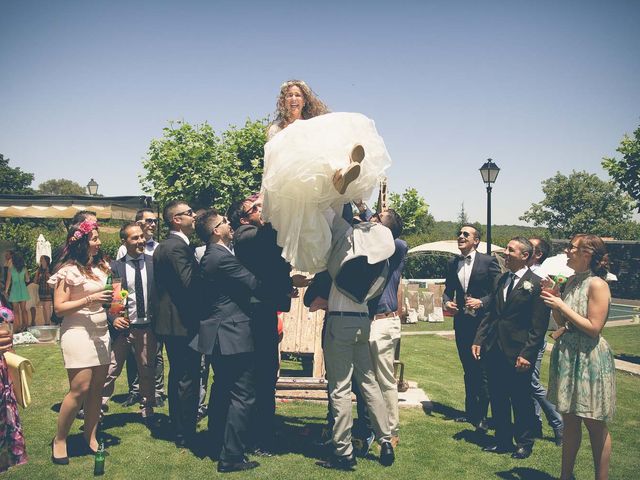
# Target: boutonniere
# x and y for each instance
(527, 285)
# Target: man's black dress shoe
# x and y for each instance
(262, 452)
(387, 457)
(347, 462)
(521, 453)
(226, 467)
(495, 448)
(131, 400)
(159, 402)
(462, 419)
(557, 434)
(482, 427)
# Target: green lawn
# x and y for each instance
(429, 326)
(625, 342)
(432, 447)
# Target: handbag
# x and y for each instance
(20, 372)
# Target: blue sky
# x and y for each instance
(540, 87)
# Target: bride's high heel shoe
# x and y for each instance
(344, 176)
(357, 154)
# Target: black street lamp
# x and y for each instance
(489, 172)
(92, 187)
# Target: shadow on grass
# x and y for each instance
(628, 358)
(471, 436)
(449, 413)
(524, 473)
(298, 434)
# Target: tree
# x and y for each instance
(581, 203)
(61, 186)
(626, 171)
(14, 180)
(191, 162)
(413, 209)
(463, 218)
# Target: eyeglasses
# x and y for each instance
(224, 221)
(253, 209)
(189, 213)
(464, 234)
(149, 221)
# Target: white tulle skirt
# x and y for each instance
(297, 183)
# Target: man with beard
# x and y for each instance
(255, 246)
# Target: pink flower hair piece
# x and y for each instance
(85, 228)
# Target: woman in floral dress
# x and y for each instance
(582, 371)
(12, 449)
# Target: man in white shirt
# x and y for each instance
(133, 327)
(147, 219)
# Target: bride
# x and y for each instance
(315, 162)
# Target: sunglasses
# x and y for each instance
(251, 211)
(186, 212)
(464, 234)
(224, 221)
(149, 221)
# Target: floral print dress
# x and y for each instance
(582, 371)
(12, 449)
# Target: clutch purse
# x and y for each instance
(20, 372)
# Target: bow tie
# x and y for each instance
(463, 258)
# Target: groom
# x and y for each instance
(510, 338)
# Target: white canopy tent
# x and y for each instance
(451, 246)
(557, 265)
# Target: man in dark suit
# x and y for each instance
(176, 317)
(510, 338)
(468, 291)
(135, 269)
(255, 246)
(225, 335)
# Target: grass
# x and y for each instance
(429, 326)
(432, 447)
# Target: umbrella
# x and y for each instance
(451, 246)
(43, 247)
(557, 265)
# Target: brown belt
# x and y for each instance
(384, 315)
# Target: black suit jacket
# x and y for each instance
(517, 325)
(482, 281)
(258, 250)
(228, 288)
(178, 282)
(118, 267)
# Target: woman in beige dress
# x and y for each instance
(79, 292)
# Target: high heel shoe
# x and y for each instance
(344, 176)
(58, 460)
(357, 154)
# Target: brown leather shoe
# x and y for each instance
(395, 441)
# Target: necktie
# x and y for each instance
(512, 281)
(140, 311)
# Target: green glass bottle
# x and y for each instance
(98, 466)
(108, 286)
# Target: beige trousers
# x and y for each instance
(383, 339)
(347, 355)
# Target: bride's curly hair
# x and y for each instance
(599, 264)
(313, 106)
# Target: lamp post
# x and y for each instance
(92, 187)
(489, 172)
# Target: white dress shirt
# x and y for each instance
(131, 288)
(465, 266)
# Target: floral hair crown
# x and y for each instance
(84, 228)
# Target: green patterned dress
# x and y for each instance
(582, 371)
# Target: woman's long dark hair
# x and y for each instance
(76, 250)
(47, 260)
(18, 261)
(599, 264)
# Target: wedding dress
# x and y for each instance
(299, 164)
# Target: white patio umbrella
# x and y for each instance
(43, 247)
(451, 246)
(557, 265)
